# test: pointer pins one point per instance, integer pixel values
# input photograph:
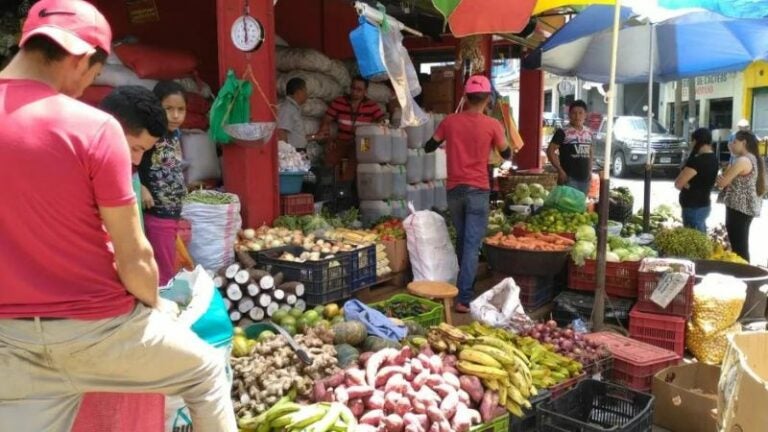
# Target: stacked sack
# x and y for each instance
(145, 65)
(426, 172)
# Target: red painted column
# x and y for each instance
(486, 47)
(251, 172)
(531, 117)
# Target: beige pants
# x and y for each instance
(46, 366)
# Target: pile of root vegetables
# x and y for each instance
(567, 342)
(408, 390)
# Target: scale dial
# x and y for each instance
(247, 33)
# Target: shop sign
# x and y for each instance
(717, 85)
(142, 11)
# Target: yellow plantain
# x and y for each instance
(514, 409)
(480, 371)
(500, 355)
(533, 391)
(516, 396)
(491, 384)
(503, 395)
(481, 358)
(519, 383)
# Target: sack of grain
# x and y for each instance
(319, 85)
(115, 75)
(291, 59)
(379, 93)
(314, 108)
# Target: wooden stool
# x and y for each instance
(436, 290)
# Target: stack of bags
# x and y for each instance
(145, 65)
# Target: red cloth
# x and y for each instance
(61, 160)
(156, 63)
(118, 412)
(469, 139)
(473, 17)
(197, 103)
(195, 120)
(93, 95)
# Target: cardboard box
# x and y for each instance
(743, 394)
(440, 108)
(438, 92)
(686, 397)
(397, 253)
(443, 73)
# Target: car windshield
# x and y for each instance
(637, 125)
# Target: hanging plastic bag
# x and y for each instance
(214, 231)
(232, 105)
(566, 199)
(500, 306)
(403, 76)
(365, 40)
(433, 257)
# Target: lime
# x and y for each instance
(266, 334)
(325, 324)
(319, 309)
(291, 329)
(288, 320)
(311, 317)
(295, 312)
(302, 324)
(331, 310)
(279, 315)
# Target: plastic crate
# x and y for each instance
(325, 281)
(499, 424)
(601, 368)
(432, 318)
(664, 331)
(634, 362)
(363, 270)
(596, 406)
(527, 423)
(535, 291)
(620, 278)
(681, 305)
(570, 305)
(566, 385)
(297, 205)
(290, 182)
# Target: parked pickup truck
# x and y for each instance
(628, 151)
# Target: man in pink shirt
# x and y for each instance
(79, 284)
(470, 136)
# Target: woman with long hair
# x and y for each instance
(696, 180)
(743, 184)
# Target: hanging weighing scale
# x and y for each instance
(247, 32)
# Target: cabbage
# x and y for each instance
(621, 253)
(522, 189)
(633, 257)
(582, 250)
(536, 189)
(538, 202)
(526, 201)
(612, 257)
(617, 242)
(586, 233)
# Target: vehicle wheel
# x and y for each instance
(619, 167)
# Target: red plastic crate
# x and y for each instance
(297, 205)
(682, 305)
(663, 331)
(634, 362)
(620, 278)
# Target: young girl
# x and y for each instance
(162, 182)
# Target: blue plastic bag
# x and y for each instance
(366, 40)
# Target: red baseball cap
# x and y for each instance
(477, 84)
(76, 25)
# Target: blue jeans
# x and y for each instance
(578, 184)
(469, 209)
(696, 217)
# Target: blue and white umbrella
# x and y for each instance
(731, 8)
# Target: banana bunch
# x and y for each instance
(446, 338)
(502, 367)
(548, 368)
(289, 416)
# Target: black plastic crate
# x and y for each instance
(597, 406)
(325, 281)
(363, 274)
(570, 305)
(527, 423)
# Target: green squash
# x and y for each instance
(374, 343)
(414, 328)
(349, 332)
(347, 355)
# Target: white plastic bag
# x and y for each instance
(214, 231)
(499, 305)
(200, 152)
(116, 75)
(429, 247)
(403, 77)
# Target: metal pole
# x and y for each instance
(598, 310)
(648, 151)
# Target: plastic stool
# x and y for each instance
(436, 290)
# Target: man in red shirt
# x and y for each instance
(470, 136)
(79, 284)
(349, 112)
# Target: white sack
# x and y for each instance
(499, 305)
(116, 75)
(429, 247)
(214, 231)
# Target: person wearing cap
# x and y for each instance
(469, 136)
(78, 307)
(570, 150)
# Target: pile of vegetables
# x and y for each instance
(297, 321)
(566, 342)
(662, 217)
(527, 194)
(390, 229)
(721, 249)
(320, 224)
(684, 243)
(402, 308)
(533, 242)
(291, 160)
(210, 197)
(555, 221)
(620, 202)
(289, 416)
(619, 249)
(271, 370)
(498, 222)
(254, 240)
(253, 295)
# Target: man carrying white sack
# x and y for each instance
(79, 283)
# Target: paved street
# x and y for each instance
(664, 192)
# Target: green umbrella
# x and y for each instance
(232, 105)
